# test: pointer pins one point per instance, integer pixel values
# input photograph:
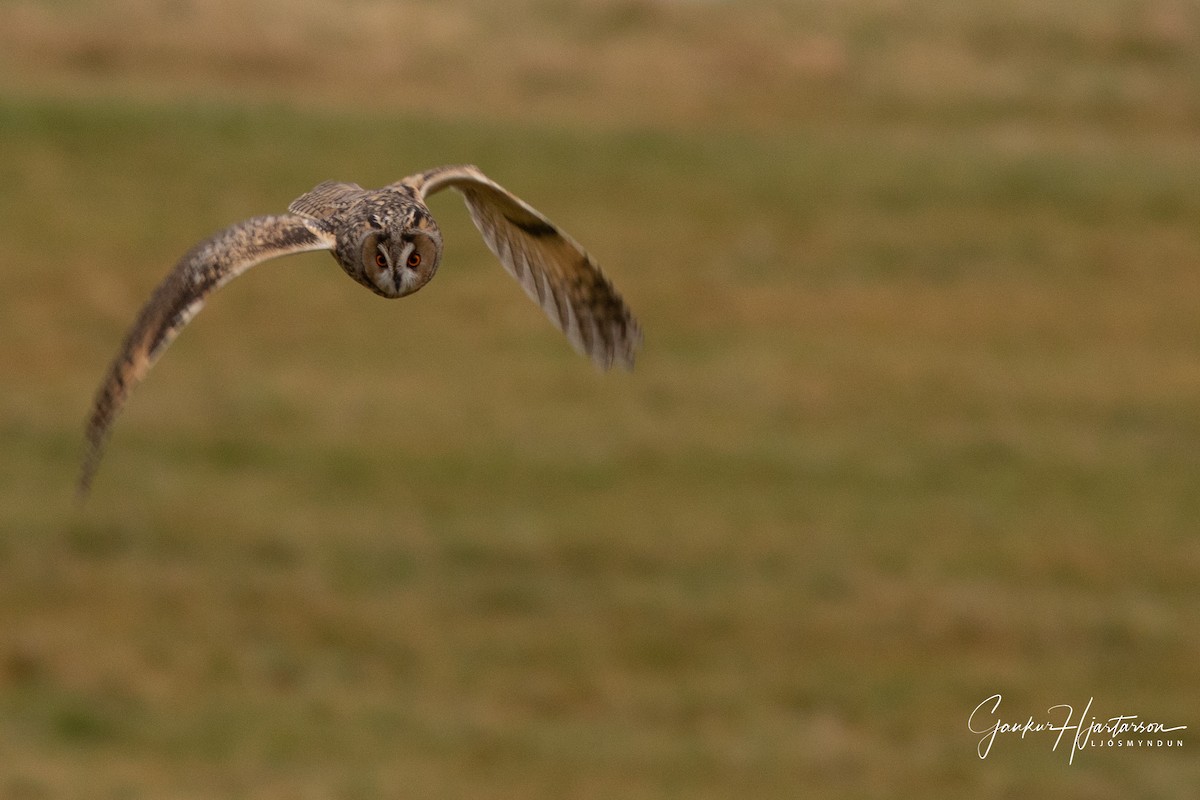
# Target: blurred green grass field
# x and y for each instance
(915, 421)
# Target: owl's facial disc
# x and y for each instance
(397, 266)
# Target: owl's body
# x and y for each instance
(387, 240)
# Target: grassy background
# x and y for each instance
(915, 422)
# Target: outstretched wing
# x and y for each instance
(205, 268)
(555, 271)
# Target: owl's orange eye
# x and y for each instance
(414, 260)
(381, 260)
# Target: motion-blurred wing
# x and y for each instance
(205, 268)
(553, 268)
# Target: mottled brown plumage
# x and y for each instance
(387, 240)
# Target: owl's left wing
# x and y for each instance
(206, 267)
(555, 271)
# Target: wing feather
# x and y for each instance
(205, 268)
(325, 199)
(554, 270)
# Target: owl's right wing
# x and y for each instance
(206, 267)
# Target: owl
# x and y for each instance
(387, 240)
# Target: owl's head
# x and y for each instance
(392, 258)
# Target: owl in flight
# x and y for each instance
(386, 240)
